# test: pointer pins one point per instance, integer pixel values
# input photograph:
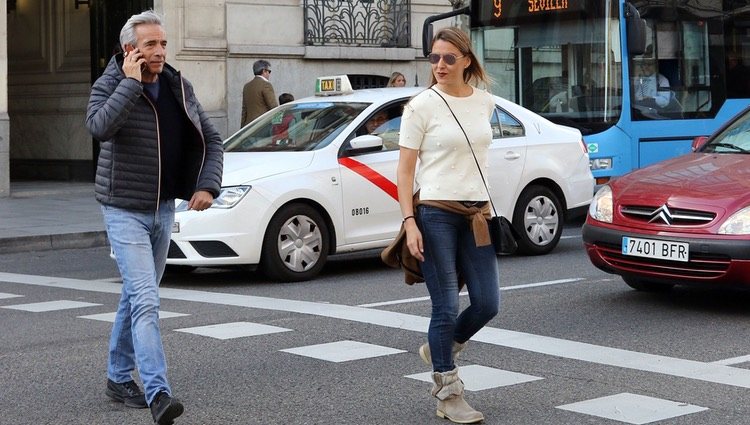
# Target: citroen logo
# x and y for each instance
(662, 213)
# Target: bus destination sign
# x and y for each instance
(501, 12)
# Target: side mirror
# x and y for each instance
(636, 30)
(365, 143)
(427, 39)
(698, 143)
(427, 26)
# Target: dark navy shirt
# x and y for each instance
(173, 125)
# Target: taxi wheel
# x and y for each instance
(645, 285)
(538, 220)
(295, 247)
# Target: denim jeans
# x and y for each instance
(450, 251)
(140, 241)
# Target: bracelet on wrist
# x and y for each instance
(408, 217)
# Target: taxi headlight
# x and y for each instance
(737, 224)
(228, 198)
(601, 206)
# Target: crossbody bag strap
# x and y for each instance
(470, 148)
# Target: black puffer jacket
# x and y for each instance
(125, 122)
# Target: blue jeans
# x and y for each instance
(140, 241)
(450, 251)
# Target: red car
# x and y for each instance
(681, 221)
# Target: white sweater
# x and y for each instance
(447, 170)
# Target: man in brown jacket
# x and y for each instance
(258, 95)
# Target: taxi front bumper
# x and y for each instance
(219, 236)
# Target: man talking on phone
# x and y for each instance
(157, 144)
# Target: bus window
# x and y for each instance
(738, 83)
(681, 62)
(653, 93)
(736, 36)
(565, 68)
(572, 63)
(697, 95)
(497, 53)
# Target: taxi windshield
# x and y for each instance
(295, 127)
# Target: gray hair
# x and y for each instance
(260, 65)
(127, 34)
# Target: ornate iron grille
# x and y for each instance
(374, 23)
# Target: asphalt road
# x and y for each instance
(572, 345)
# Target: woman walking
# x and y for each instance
(447, 128)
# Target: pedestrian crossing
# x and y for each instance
(110, 317)
(51, 306)
(343, 351)
(233, 330)
(478, 378)
(4, 296)
(623, 407)
(632, 408)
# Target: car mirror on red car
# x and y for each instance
(698, 143)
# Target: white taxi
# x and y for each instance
(317, 176)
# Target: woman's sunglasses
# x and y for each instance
(449, 58)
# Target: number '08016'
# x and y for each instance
(360, 211)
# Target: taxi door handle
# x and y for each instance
(512, 155)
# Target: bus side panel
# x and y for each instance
(652, 150)
(662, 139)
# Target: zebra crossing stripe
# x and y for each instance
(672, 366)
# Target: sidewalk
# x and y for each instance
(43, 215)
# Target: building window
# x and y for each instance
(364, 81)
(366, 23)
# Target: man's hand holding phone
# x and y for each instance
(133, 63)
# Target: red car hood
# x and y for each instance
(698, 181)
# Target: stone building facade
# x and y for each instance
(47, 62)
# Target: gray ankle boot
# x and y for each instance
(424, 351)
(449, 390)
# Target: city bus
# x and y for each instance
(585, 63)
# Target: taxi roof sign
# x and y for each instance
(333, 85)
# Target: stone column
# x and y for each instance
(4, 120)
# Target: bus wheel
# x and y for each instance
(295, 246)
(538, 220)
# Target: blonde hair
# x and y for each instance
(474, 73)
(394, 76)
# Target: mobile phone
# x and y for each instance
(129, 49)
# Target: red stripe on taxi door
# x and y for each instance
(371, 175)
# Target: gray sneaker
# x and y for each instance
(126, 392)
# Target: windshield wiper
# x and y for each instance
(730, 146)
